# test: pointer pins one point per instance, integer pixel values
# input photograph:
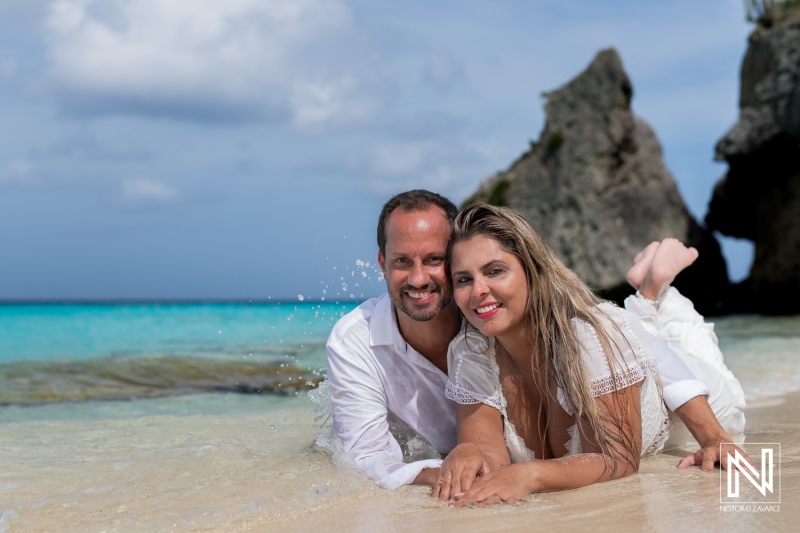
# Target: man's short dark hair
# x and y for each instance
(415, 200)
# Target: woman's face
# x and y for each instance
(489, 286)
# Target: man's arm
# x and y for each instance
(685, 395)
(706, 429)
(359, 409)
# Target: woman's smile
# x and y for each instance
(485, 311)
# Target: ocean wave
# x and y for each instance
(121, 378)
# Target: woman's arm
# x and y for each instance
(481, 449)
(623, 425)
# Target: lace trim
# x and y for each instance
(635, 373)
(660, 439)
(467, 397)
(648, 300)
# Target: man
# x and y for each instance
(387, 359)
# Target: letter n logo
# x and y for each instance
(762, 480)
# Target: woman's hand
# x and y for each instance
(459, 470)
(506, 485)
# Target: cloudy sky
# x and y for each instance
(243, 148)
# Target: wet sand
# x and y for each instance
(660, 497)
(257, 472)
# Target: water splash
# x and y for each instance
(326, 440)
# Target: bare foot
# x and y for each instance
(669, 260)
(641, 264)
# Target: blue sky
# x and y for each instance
(243, 149)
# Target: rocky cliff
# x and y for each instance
(759, 197)
(596, 186)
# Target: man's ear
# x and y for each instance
(382, 262)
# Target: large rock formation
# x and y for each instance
(759, 197)
(596, 186)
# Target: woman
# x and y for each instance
(545, 370)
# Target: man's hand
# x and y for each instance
(707, 456)
(700, 419)
(428, 477)
(459, 470)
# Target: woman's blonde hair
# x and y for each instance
(556, 296)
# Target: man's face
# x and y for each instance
(416, 244)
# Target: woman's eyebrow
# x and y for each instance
(482, 267)
(490, 263)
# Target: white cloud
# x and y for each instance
(232, 59)
(144, 191)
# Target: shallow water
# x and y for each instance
(160, 472)
(762, 352)
(227, 461)
(76, 352)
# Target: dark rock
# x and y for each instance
(596, 187)
(759, 197)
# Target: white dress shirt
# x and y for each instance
(373, 374)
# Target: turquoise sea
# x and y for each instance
(56, 353)
(167, 416)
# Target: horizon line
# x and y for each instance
(172, 301)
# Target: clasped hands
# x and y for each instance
(467, 478)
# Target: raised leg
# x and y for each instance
(641, 264)
(669, 259)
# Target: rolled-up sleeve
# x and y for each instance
(359, 409)
(680, 384)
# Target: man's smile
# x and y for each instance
(420, 295)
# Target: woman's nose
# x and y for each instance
(479, 289)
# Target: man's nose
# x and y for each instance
(418, 277)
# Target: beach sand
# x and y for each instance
(258, 473)
(660, 497)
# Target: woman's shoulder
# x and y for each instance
(472, 369)
(470, 347)
(468, 339)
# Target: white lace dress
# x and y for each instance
(475, 378)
